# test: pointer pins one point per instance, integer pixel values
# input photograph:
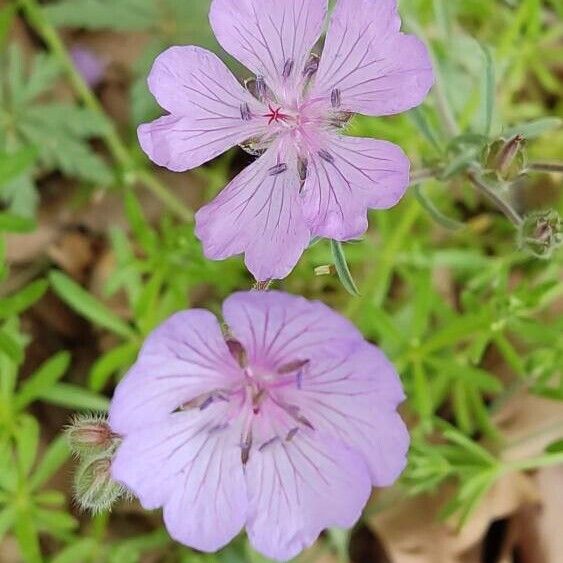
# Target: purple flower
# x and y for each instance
(310, 180)
(280, 425)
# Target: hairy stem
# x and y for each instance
(546, 167)
(494, 198)
(119, 151)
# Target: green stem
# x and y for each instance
(547, 167)
(376, 285)
(492, 196)
(535, 462)
(118, 149)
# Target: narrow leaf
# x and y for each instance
(19, 302)
(342, 268)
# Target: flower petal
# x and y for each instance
(182, 359)
(348, 176)
(211, 111)
(190, 465)
(277, 328)
(354, 398)
(272, 38)
(258, 213)
(367, 65)
(300, 486)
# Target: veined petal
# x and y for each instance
(367, 65)
(182, 359)
(258, 213)
(348, 176)
(276, 328)
(189, 464)
(299, 485)
(272, 38)
(354, 398)
(210, 111)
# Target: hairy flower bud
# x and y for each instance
(87, 434)
(541, 233)
(505, 158)
(94, 487)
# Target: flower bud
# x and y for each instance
(541, 233)
(505, 158)
(94, 487)
(89, 434)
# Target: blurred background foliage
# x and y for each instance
(460, 284)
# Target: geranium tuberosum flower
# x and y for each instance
(281, 424)
(310, 180)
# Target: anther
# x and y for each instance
(245, 113)
(237, 351)
(291, 434)
(288, 68)
(335, 98)
(292, 366)
(270, 442)
(311, 66)
(302, 165)
(245, 447)
(277, 169)
(325, 155)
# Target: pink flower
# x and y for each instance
(309, 180)
(282, 426)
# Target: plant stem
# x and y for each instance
(376, 285)
(498, 201)
(116, 146)
(536, 462)
(547, 167)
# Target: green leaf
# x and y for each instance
(75, 397)
(10, 347)
(7, 518)
(555, 447)
(342, 268)
(81, 550)
(6, 17)
(27, 536)
(42, 380)
(534, 129)
(27, 440)
(489, 91)
(15, 164)
(111, 362)
(22, 300)
(467, 374)
(434, 212)
(15, 224)
(118, 15)
(54, 457)
(86, 305)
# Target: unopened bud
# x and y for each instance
(89, 434)
(95, 489)
(506, 158)
(541, 233)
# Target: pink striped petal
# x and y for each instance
(272, 38)
(367, 65)
(189, 464)
(182, 359)
(259, 214)
(300, 482)
(348, 176)
(338, 394)
(211, 111)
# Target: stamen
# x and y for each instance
(261, 88)
(291, 434)
(237, 351)
(270, 442)
(292, 366)
(245, 113)
(335, 98)
(302, 170)
(206, 403)
(287, 68)
(325, 155)
(245, 447)
(278, 169)
(311, 66)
